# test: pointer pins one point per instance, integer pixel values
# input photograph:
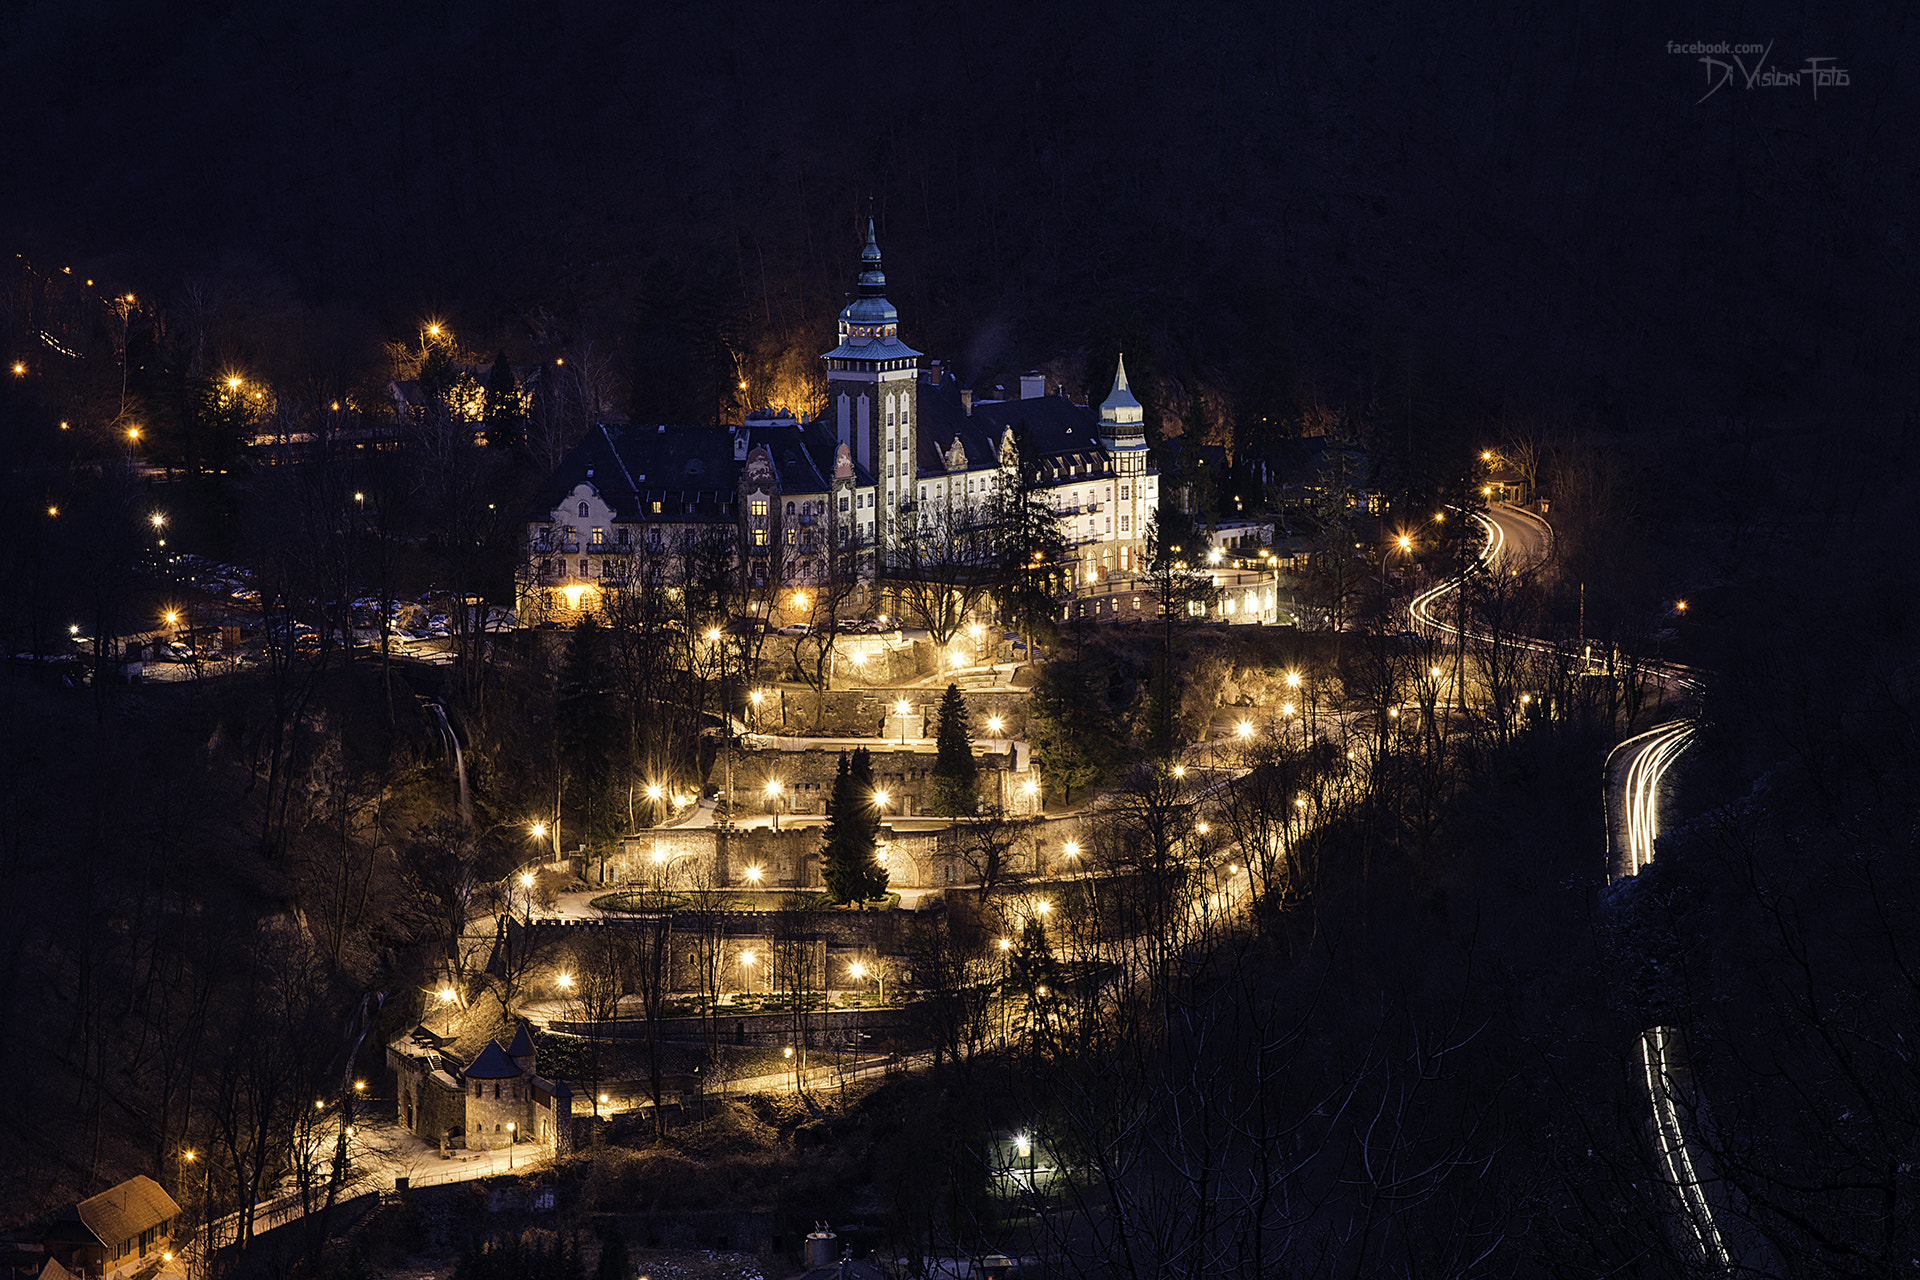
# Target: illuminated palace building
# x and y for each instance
(903, 455)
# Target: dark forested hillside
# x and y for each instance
(1269, 204)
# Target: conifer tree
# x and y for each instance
(852, 833)
(956, 776)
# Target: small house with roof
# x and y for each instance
(114, 1232)
(496, 1099)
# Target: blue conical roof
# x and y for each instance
(1120, 407)
(870, 305)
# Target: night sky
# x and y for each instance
(1273, 203)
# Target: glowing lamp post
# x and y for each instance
(773, 800)
(903, 709)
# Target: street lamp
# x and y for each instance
(903, 709)
(746, 962)
(773, 800)
(526, 883)
(880, 799)
(1071, 848)
(753, 874)
(859, 970)
(446, 1000)
(512, 1128)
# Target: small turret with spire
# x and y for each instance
(1122, 421)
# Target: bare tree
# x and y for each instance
(939, 569)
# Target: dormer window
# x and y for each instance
(583, 511)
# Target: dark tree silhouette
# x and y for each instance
(956, 776)
(852, 833)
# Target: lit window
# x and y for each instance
(656, 508)
(759, 506)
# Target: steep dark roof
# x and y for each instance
(123, 1212)
(522, 1046)
(1043, 427)
(942, 421)
(802, 456)
(492, 1064)
(631, 467)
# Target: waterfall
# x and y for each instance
(459, 760)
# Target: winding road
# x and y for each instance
(1635, 772)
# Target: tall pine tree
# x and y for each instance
(956, 777)
(852, 833)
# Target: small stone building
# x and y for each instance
(496, 1099)
(114, 1232)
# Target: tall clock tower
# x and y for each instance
(871, 390)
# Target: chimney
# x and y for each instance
(1033, 384)
(966, 401)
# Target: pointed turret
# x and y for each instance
(870, 316)
(872, 386)
(521, 1050)
(1122, 422)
